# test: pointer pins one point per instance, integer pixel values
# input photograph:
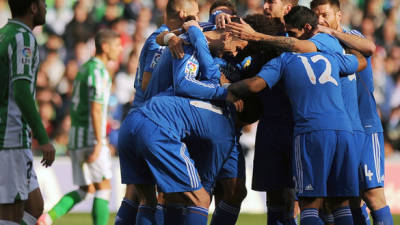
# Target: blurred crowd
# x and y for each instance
(66, 42)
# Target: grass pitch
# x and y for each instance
(244, 219)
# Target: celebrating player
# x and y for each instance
(90, 155)
(19, 61)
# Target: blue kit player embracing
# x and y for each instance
(324, 156)
(371, 169)
(152, 152)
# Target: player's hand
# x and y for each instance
(222, 19)
(324, 29)
(96, 152)
(190, 23)
(239, 105)
(223, 80)
(175, 45)
(48, 154)
(242, 30)
(160, 38)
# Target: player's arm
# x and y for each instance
(209, 70)
(362, 62)
(358, 42)
(174, 43)
(186, 84)
(27, 106)
(268, 76)
(245, 32)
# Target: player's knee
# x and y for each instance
(336, 202)
(375, 198)
(235, 195)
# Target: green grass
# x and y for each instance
(244, 219)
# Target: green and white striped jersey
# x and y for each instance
(91, 84)
(19, 59)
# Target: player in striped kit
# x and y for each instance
(90, 155)
(19, 60)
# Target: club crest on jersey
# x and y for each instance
(155, 60)
(26, 55)
(191, 68)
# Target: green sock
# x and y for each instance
(64, 205)
(100, 211)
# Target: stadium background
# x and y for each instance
(66, 42)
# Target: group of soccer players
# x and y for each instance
(308, 82)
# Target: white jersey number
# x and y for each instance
(325, 76)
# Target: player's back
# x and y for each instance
(91, 84)
(185, 116)
(313, 87)
(148, 59)
(19, 59)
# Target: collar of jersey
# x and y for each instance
(20, 23)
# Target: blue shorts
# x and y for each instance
(234, 166)
(272, 168)
(150, 154)
(209, 157)
(326, 164)
(372, 166)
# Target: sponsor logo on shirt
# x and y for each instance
(191, 68)
(26, 55)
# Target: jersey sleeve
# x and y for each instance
(208, 69)
(185, 83)
(153, 54)
(271, 72)
(355, 32)
(348, 63)
(326, 43)
(21, 56)
(97, 86)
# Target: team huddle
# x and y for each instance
(306, 80)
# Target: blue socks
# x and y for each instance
(174, 215)
(196, 215)
(310, 217)
(146, 215)
(360, 216)
(343, 216)
(382, 216)
(126, 214)
(278, 216)
(326, 218)
(225, 214)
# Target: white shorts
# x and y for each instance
(17, 176)
(84, 173)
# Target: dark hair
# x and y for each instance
(226, 3)
(173, 6)
(104, 36)
(299, 16)
(20, 7)
(263, 52)
(334, 3)
(293, 2)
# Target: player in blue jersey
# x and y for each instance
(372, 160)
(321, 143)
(152, 151)
(177, 12)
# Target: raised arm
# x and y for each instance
(352, 40)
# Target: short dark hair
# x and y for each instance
(299, 16)
(293, 2)
(104, 36)
(226, 3)
(173, 6)
(20, 7)
(334, 3)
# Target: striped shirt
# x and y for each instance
(19, 59)
(91, 84)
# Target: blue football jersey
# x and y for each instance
(148, 59)
(312, 84)
(183, 116)
(186, 75)
(325, 42)
(366, 100)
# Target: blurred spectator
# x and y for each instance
(80, 29)
(5, 13)
(125, 79)
(132, 9)
(58, 17)
(158, 12)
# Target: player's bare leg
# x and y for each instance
(376, 202)
(12, 212)
(148, 202)
(340, 207)
(229, 195)
(127, 211)
(309, 207)
(33, 208)
(280, 205)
